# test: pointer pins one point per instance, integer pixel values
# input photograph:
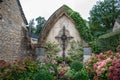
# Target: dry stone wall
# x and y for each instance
(13, 41)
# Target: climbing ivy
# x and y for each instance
(80, 24)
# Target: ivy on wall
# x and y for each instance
(105, 42)
(80, 24)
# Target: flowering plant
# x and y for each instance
(114, 69)
(104, 66)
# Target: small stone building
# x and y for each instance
(53, 29)
(13, 33)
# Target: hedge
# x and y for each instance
(109, 41)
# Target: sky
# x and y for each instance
(45, 8)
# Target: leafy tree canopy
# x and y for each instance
(36, 28)
(103, 16)
(40, 23)
(31, 27)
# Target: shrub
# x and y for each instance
(43, 74)
(76, 65)
(68, 60)
(51, 68)
(109, 41)
(69, 74)
(81, 75)
(59, 59)
(114, 69)
(104, 66)
(19, 70)
(51, 50)
(76, 51)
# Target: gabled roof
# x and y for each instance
(52, 20)
(22, 13)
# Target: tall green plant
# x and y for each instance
(76, 51)
(51, 50)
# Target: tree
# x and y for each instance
(31, 27)
(40, 23)
(103, 16)
(35, 29)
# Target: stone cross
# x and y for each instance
(64, 38)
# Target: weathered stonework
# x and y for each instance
(63, 21)
(13, 34)
(116, 25)
(53, 30)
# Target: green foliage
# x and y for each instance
(94, 46)
(76, 51)
(40, 23)
(81, 75)
(69, 74)
(51, 68)
(19, 70)
(26, 69)
(43, 75)
(76, 65)
(59, 59)
(109, 41)
(76, 72)
(103, 16)
(68, 60)
(36, 28)
(51, 47)
(105, 42)
(80, 24)
(51, 50)
(31, 27)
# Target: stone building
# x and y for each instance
(13, 34)
(116, 25)
(53, 29)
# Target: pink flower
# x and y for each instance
(116, 77)
(99, 67)
(117, 65)
(103, 63)
(114, 72)
(95, 66)
(118, 70)
(117, 53)
(111, 68)
(108, 59)
(110, 75)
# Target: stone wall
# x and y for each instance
(13, 41)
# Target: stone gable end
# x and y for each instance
(12, 45)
